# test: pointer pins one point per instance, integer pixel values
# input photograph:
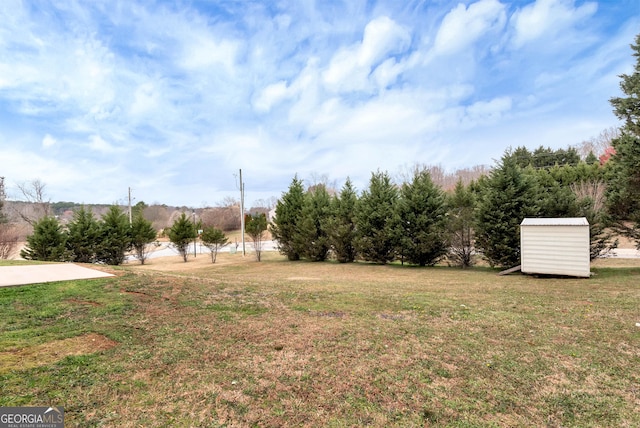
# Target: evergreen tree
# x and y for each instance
(624, 189)
(376, 239)
(507, 197)
(340, 224)
(256, 225)
(312, 237)
(591, 158)
(420, 221)
(83, 238)
(181, 234)
(142, 234)
(214, 239)
(285, 226)
(461, 205)
(555, 199)
(47, 242)
(115, 237)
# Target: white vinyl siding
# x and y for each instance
(555, 246)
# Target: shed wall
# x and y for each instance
(555, 250)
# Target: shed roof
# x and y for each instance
(569, 221)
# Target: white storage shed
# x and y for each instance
(555, 246)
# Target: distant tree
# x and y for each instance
(8, 240)
(58, 208)
(138, 209)
(421, 220)
(142, 235)
(461, 205)
(543, 157)
(181, 234)
(3, 216)
(158, 215)
(591, 158)
(596, 146)
(624, 188)
(285, 226)
(115, 237)
(507, 197)
(312, 236)
(84, 236)
(256, 225)
(521, 156)
(214, 239)
(376, 238)
(47, 242)
(340, 224)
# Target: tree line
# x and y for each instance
(417, 222)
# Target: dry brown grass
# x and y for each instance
(242, 343)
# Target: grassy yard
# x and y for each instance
(275, 343)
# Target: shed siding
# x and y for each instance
(555, 250)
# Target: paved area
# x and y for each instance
(35, 274)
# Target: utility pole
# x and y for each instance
(242, 213)
(196, 238)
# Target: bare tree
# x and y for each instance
(598, 145)
(268, 203)
(595, 190)
(8, 240)
(445, 180)
(33, 192)
(321, 180)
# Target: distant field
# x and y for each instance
(241, 343)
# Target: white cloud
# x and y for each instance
(98, 144)
(145, 98)
(462, 26)
(350, 67)
(48, 141)
(270, 96)
(547, 18)
(204, 51)
(484, 113)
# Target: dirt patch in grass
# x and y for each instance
(50, 352)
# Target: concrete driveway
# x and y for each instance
(35, 274)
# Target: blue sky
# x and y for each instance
(172, 98)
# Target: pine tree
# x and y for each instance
(312, 237)
(555, 199)
(142, 234)
(340, 224)
(115, 237)
(84, 236)
(47, 242)
(461, 205)
(214, 239)
(181, 234)
(285, 226)
(377, 239)
(507, 197)
(421, 219)
(256, 226)
(624, 188)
